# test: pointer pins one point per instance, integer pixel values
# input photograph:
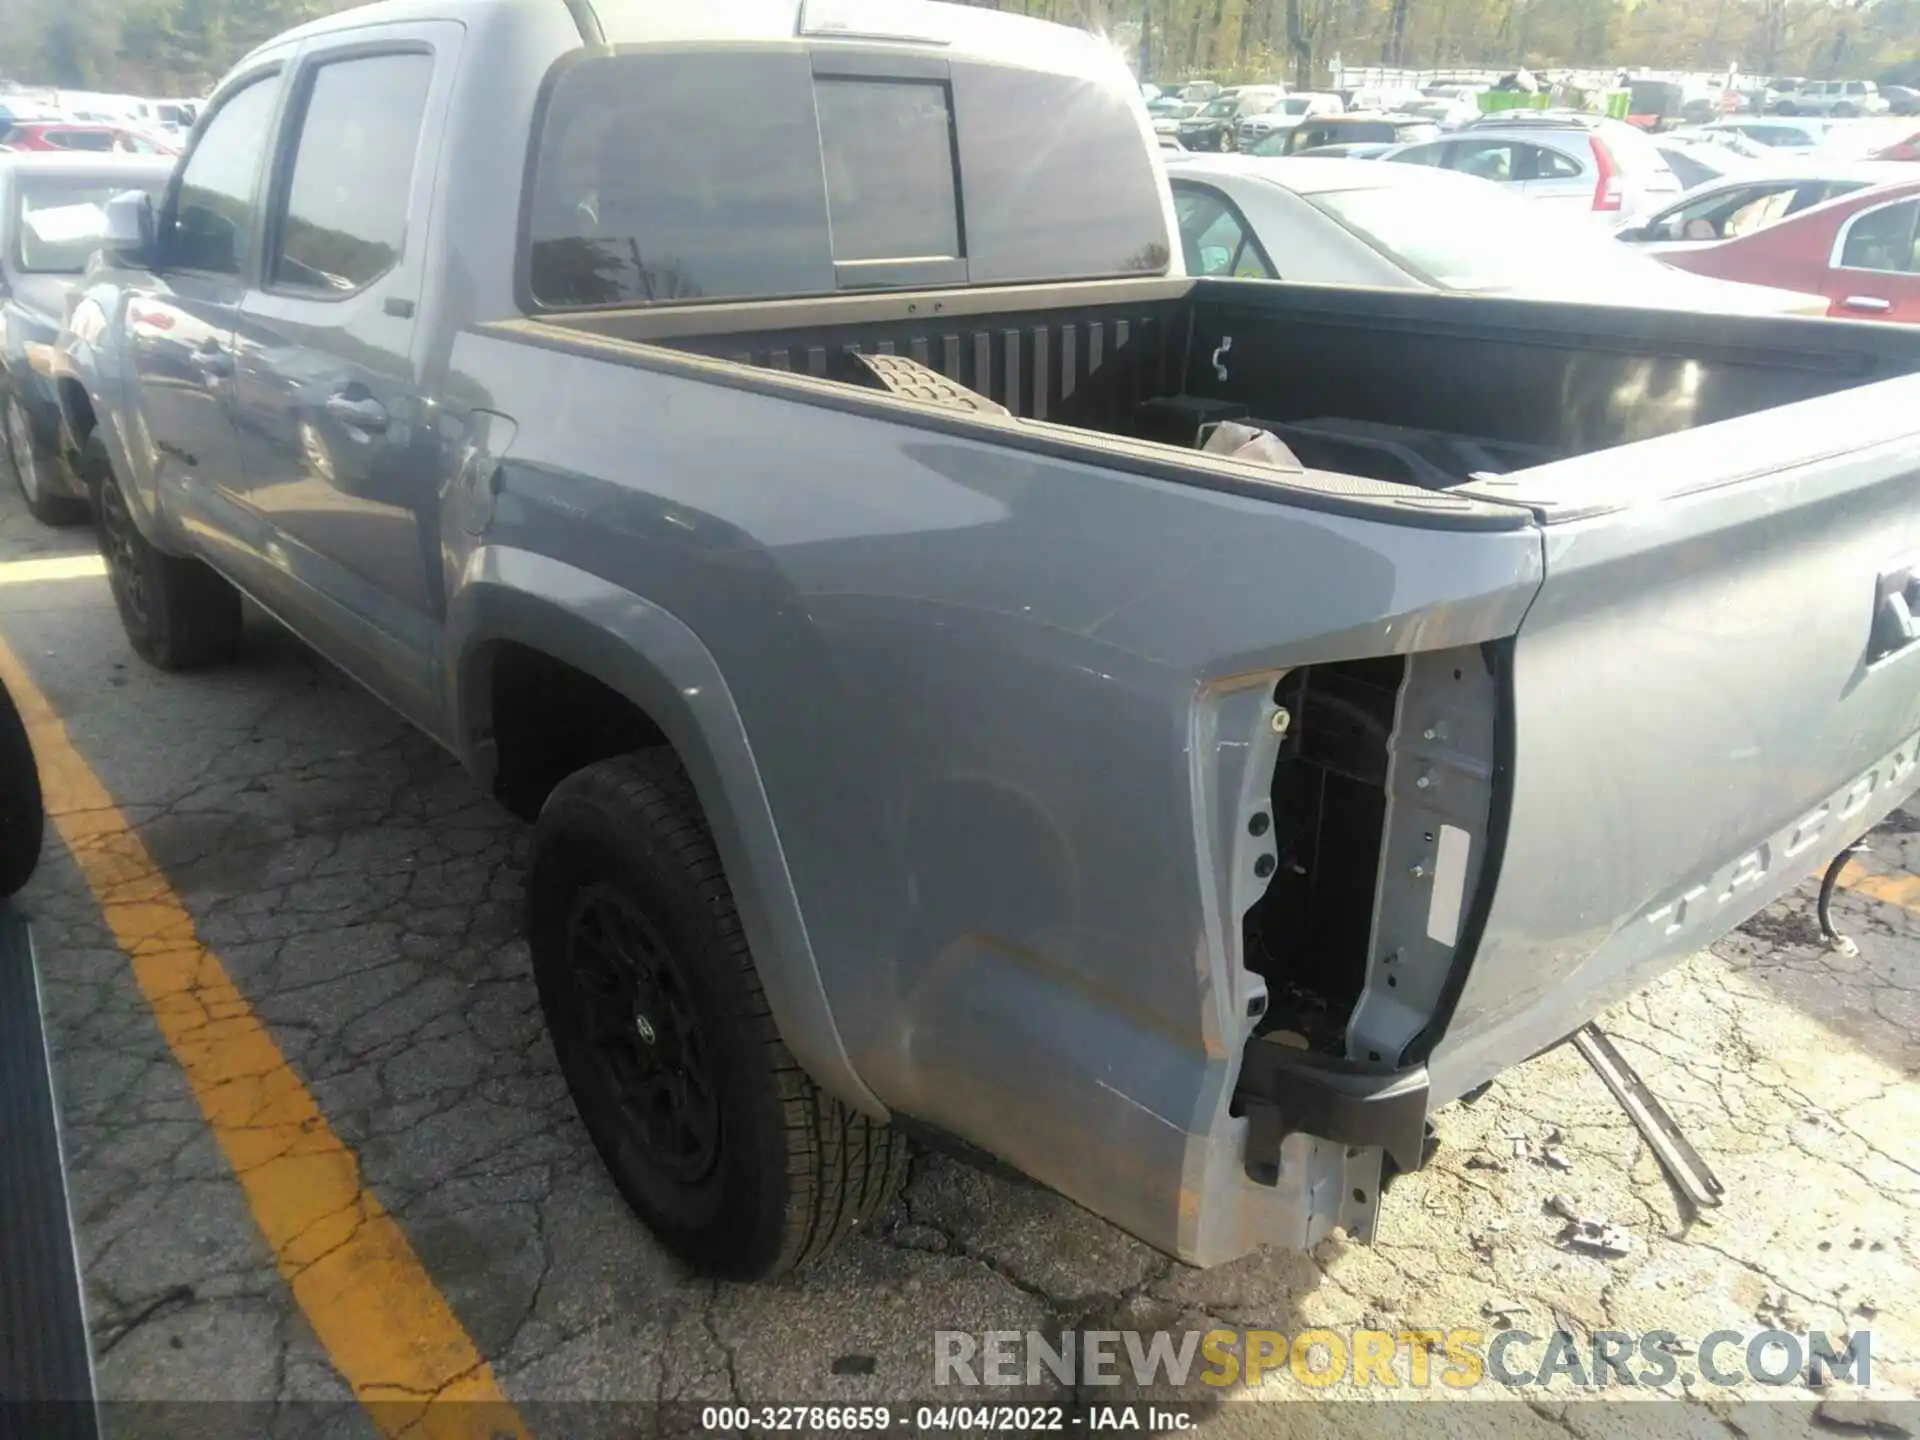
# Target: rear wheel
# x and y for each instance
(178, 613)
(32, 465)
(1844, 111)
(713, 1133)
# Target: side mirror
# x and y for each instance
(130, 230)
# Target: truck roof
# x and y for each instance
(958, 29)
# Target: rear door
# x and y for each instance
(1876, 265)
(341, 450)
(1558, 178)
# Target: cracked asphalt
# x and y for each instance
(363, 896)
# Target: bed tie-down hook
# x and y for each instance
(1219, 357)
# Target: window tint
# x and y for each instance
(1497, 160)
(888, 148)
(346, 209)
(1056, 182)
(213, 216)
(664, 177)
(1423, 155)
(1214, 239)
(1552, 165)
(679, 177)
(82, 139)
(1884, 240)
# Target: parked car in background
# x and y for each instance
(1198, 92)
(1743, 205)
(1836, 98)
(1290, 110)
(173, 120)
(1862, 251)
(1584, 162)
(52, 219)
(1320, 131)
(1653, 104)
(1356, 151)
(1785, 136)
(100, 139)
(1448, 114)
(1907, 149)
(1354, 222)
(1901, 99)
(1695, 164)
(1217, 125)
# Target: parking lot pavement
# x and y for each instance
(362, 894)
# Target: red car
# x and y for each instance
(1861, 251)
(68, 135)
(1907, 149)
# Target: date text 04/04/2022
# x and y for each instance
(1008, 1419)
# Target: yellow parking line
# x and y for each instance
(1901, 890)
(385, 1325)
(63, 567)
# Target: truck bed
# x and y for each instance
(1421, 390)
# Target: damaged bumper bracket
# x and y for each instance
(1286, 1091)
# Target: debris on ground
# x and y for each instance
(1550, 1152)
(1587, 1234)
(1860, 1417)
(1503, 1312)
(1485, 1162)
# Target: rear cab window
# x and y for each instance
(828, 169)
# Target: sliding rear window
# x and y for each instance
(755, 173)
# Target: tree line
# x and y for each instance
(180, 47)
(1297, 39)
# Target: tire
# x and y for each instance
(22, 818)
(1843, 111)
(29, 461)
(178, 613)
(717, 1139)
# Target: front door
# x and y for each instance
(180, 320)
(340, 452)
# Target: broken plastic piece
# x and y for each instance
(1251, 444)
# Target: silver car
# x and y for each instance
(1289, 112)
(1584, 162)
(1358, 222)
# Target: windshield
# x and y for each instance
(1470, 238)
(60, 223)
(1219, 109)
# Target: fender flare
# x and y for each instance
(647, 655)
(86, 355)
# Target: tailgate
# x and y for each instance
(1713, 693)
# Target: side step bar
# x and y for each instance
(46, 1360)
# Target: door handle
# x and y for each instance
(1895, 600)
(1867, 304)
(212, 362)
(358, 412)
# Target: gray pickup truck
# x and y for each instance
(816, 516)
